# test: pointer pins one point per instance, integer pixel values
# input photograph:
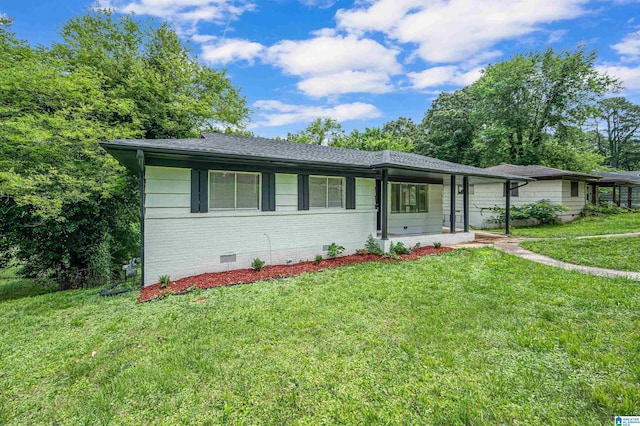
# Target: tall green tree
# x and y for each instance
(374, 139)
(69, 210)
(616, 126)
(321, 131)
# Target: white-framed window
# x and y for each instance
(575, 189)
(326, 192)
(409, 198)
(234, 190)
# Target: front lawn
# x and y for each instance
(614, 253)
(468, 337)
(593, 225)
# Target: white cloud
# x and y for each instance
(272, 113)
(224, 51)
(185, 14)
(630, 76)
(346, 82)
(440, 76)
(454, 30)
(322, 4)
(629, 47)
(323, 55)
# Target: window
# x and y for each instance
(409, 198)
(472, 189)
(514, 189)
(234, 191)
(326, 192)
(575, 189)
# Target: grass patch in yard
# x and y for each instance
(14, 287)
(469, 337)
(621, 253)
(592, 225)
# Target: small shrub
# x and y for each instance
(602, 209)
(541, 212)
(257, 264)
(362, 252)
(164, 281)
(334, 250)
(372, 246)
(399, 248)
(318, 259)
(437, 244)
(416, 246)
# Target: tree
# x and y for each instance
(321, 131)
(527, 110)
(616, 131)
(523, 102)
(373, 139)
(69, 210)
(449, 128)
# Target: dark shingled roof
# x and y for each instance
(618, 178)
(541, 172)
(224, 146)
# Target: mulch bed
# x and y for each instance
(246, 276)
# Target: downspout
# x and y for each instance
(140, 157)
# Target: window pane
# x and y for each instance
(221, 190)
(317, 192)
(413, 198)
(248, 191)
(395, 198)
(422, 198)
(335, 192)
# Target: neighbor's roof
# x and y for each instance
(220, 147)
(618, 178)
(541, 172)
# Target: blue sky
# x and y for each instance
(365, 62)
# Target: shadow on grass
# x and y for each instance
(17, 288)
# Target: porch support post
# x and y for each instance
(629, 196)
(465, 202)
(507, 212)
(384, 204)
(594, 194)
(613, 197)
(452, 216)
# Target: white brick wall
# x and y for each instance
(179, 243)
(487, 195)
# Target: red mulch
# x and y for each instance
(245, 276)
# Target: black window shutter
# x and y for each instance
(204, 191)
(268, 192)
(199, 191)
(351, 193)
(195, 191)
(303, 192)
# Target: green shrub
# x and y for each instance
(602, 209)
(164, 281)
(372, 246)
(257, 264)
(541, 212)
(416, 246)
(437, 244)
(399, 248)
(334, 250)
(319, 258)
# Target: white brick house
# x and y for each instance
(561, 187)
(216, 203)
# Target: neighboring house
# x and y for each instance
(624, 185)
(218, 202)
(561, 187)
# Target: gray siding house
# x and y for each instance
(624, 188)
(216, 203)
(562, 187)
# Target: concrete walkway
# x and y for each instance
(512, 246)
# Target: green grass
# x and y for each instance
(614, 253)
(469, 337)
(14, 287)
(592, 225)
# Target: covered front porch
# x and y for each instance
(399, 208)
